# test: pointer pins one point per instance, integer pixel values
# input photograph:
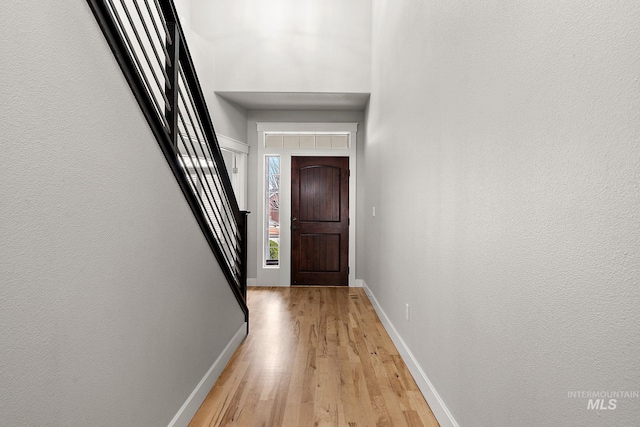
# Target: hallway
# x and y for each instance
(496, 195)
(314, 356)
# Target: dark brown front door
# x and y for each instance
(320, 221)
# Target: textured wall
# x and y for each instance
(503, 158)
(112, 306)
(287, 45)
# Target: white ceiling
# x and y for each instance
(297, 100)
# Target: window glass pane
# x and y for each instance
(272, 210)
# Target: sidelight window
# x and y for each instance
(272, 211)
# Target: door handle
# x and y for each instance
(295, 228)
(294, 219)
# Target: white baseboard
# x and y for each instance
(357, 283)
(430, 394)
(197, 396)
(254, 282)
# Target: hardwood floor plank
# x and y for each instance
(315, 357)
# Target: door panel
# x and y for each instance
(325, 247)
(320, 221)
(320, 194)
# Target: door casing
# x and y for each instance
(281, 275)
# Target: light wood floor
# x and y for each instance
(314, 357)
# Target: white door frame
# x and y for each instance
(238, 176)
(281, 275)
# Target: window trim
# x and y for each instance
(282, 276)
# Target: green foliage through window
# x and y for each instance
(274, 250)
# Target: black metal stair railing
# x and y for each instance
(149, 44)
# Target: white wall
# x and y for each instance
(228, 118)
(503, 159)
(288, 45)
(255, 116)
(112, 306)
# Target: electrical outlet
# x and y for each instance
(374, 211)
(407, 312)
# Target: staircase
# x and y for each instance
(149, 44)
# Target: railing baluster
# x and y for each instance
(202, 179)
(201, 128)
(164, 11)
(131, 49)
(203, 143)
(200, 143)
(144, 53)
(155, 27)
(172, 88)
(150, 39)
(227, 205)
